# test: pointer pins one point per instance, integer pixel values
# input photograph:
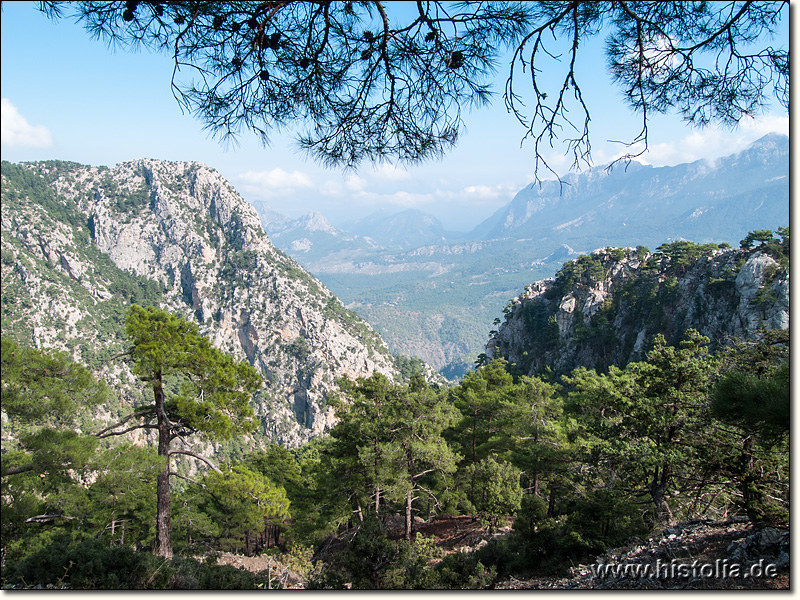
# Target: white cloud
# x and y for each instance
(355, 183)
(17, 132)
(390, 172)
(277, 178)
(409, 199)
(767, 124)
(331, 188)
(483, 195)
(481, 191)
(275, 182)
(349, 186)
(400, 199)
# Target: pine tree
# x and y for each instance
(197, 389)
(645, 419)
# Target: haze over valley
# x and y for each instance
(434, 293)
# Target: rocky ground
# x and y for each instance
(701, 555)
(698, 554)
(277, 575)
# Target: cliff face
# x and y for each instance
(80, 243)
(606, 308)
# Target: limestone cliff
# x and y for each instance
(80, 243)
(605, 308)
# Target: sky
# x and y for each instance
(67, 96)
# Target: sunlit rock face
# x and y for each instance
(182, 227)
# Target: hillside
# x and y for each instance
(502, 480)
(605, 308)
(79, 244)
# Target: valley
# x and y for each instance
(633, 393)
(434, 294)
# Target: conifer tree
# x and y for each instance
(46, 399)
(197, 389)
(419, 452)
(753, 395)
(645, 419)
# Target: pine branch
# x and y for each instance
(197, 456)
(102, 433)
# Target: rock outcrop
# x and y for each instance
(605, 308)
(80, 243)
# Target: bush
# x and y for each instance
(90, 564)
(373, 561)
(463, 571)
(542, 545)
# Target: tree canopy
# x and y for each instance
(581, 464)
(43, 393)
(373, 81)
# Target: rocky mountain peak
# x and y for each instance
(314, 221)
(181, 232)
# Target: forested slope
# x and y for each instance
(80, 244)
(551, 462)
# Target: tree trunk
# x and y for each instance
(551, 503)
(163, 520)
(376, 467)
(474, 437)
(409, 518)
(658, 493)
(750, 493)
(163, 517)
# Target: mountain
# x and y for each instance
(605, 308)
(402, 230)
(80, 243)
(437, 300)
(316, 242)
(702, 201)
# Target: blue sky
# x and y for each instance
(66, 96)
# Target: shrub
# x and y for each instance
(463, 571)
(91, 564)
(373, 561)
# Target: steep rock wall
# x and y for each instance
(75, 237)
(605, 308)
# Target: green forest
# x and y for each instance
(567, 466)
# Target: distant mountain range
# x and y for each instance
(406, 229)
(434, 294)
(701, 201)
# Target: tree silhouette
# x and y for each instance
(390, 81)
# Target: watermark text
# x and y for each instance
(675, 569)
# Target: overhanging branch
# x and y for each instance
(135, 415)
